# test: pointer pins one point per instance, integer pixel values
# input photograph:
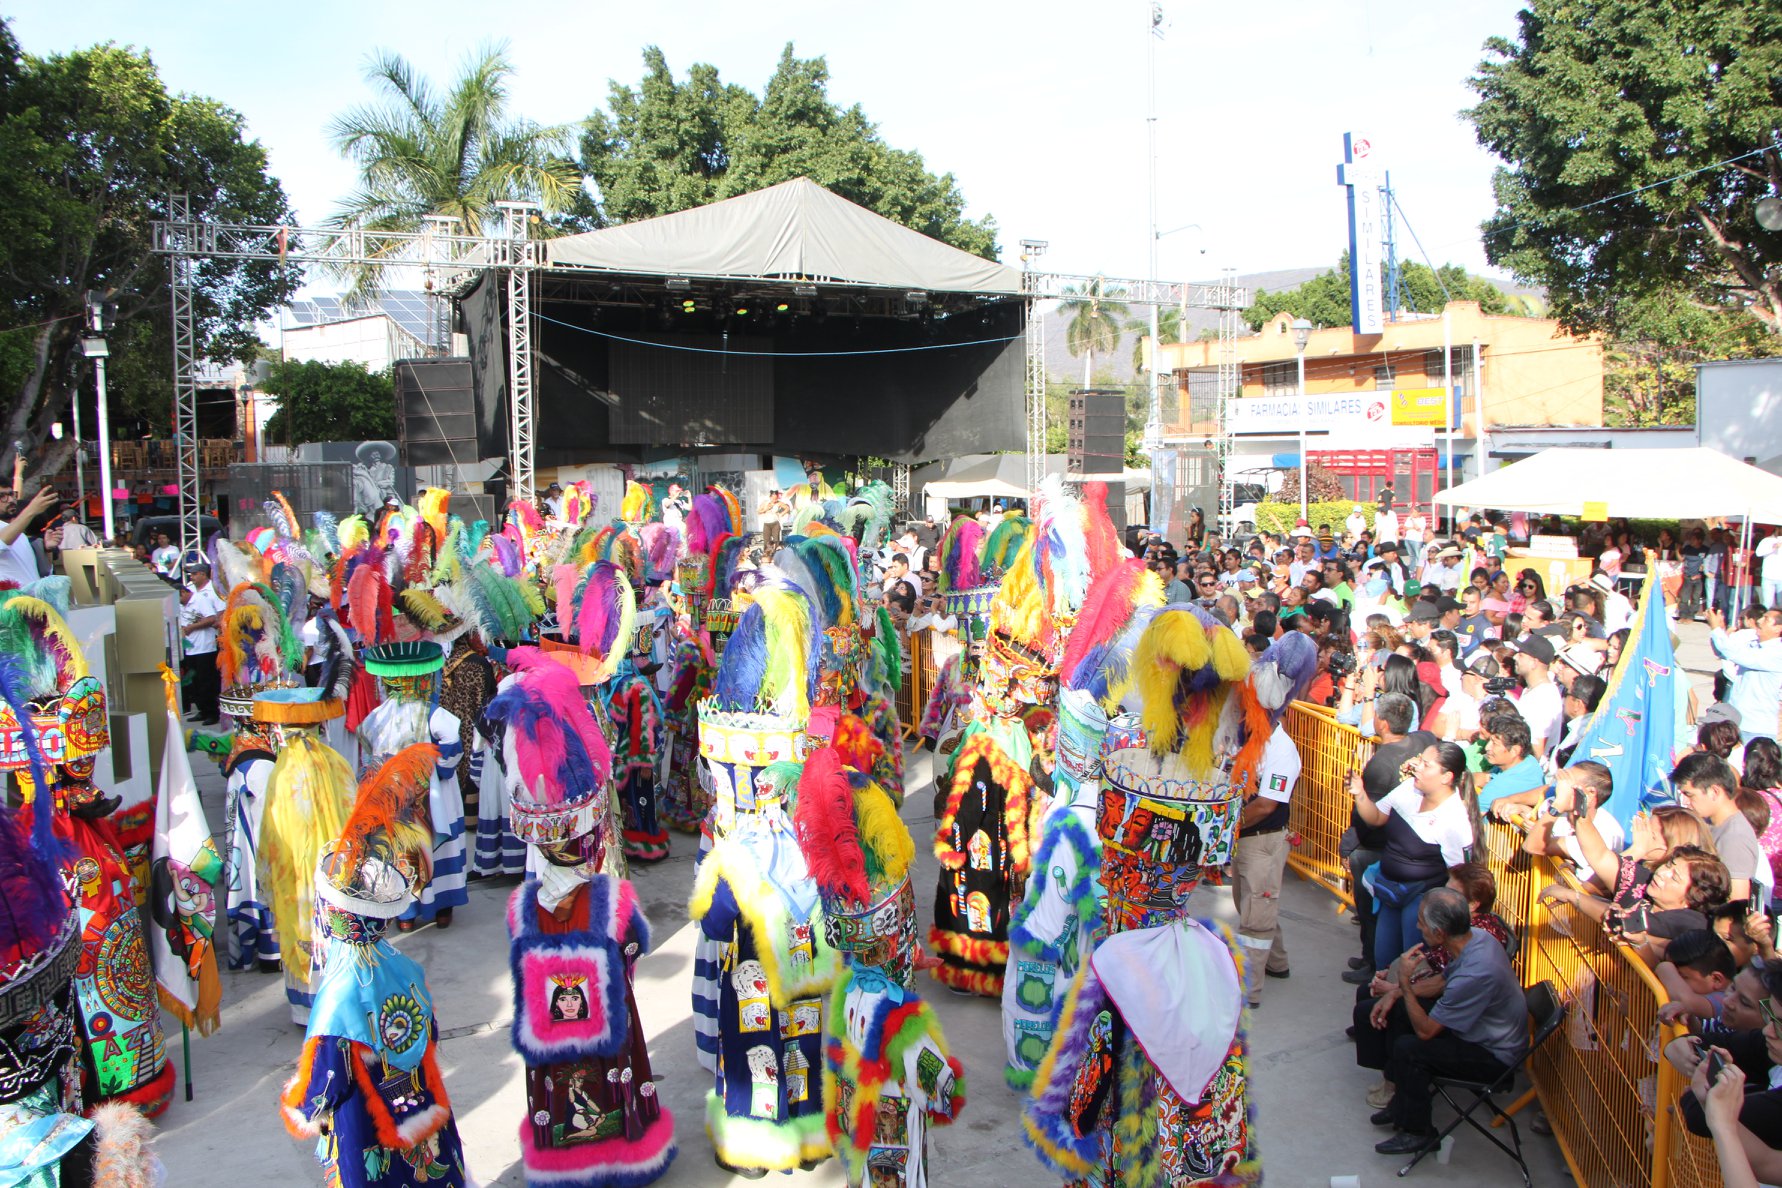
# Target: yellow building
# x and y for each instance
(1382, 393)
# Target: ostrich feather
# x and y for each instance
(329, 528)
(526, 516)
(370, 604)
(338, 666)
(564, 581)
(553, 737)
(281, 516)
(660, 543)
(424, 610)
(56, 590)
(733, 517)
(634, 508)
(889, 653)
(16, 691)
(707, 520)
(827, 601)
(711, 570)
(123, 1146)
(1005, 542)
(390, 820)
(786, 680)
(1106, 609)
(828, 831)
(1098, 530)
(507, 555)
(434, 505)
(744, 666)
(354, 530)
(961, 556)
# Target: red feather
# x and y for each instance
(828, 831)
(1104, 538)
(711, 578)
(1105, 610)
(371, 602)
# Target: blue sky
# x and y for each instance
(1037, 107)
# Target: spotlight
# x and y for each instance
(742, 310)
(688, 306)
(782, 307)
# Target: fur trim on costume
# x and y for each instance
(1017, 786)
(1064, 829)
(609, 1163)
(416, 1128)
(594, 956)
(968, 949)
(765, 913)
(757, 1142)
(891, 1032)
(123, 1152)
(297, 1123)
(1045, 1119)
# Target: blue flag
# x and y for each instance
(1634, 730)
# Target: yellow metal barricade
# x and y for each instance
(1611, 1096)
(909, 701)
(1321, 804)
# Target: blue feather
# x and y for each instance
(744, 667)
(15, 690)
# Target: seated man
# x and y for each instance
(1477, 1029)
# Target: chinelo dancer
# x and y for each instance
(594, 1118)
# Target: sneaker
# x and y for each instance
(1380, 1096)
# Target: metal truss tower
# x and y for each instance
(522, 257)
(182, 264)
(1035, 385)
(1231, 301)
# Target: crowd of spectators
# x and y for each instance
(1475, 681)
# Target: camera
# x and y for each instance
(1340, 664)
(1499, 685)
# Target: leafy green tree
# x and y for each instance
(664, 146)
(1096, 315)
(1324, 299)
(1649, 378)
(1592, 102)
(421, 153)
(329, 402)
(91, 144)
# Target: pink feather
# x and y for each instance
(968, 576)
(598, 619)
(1105, 610)
(565, 577)
(556, 686)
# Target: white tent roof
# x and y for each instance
(983, 476)
(1647, 484)
(796, 229)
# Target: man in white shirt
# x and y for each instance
(199, 618)
(1618, 612)
(1259, 863)
(1541, 705)
(1385, 525)
(1445, 574)
(1357, 522)
(1303, 561)
(553, 501)
(1769, 571)
(165, 558)
(18, 562)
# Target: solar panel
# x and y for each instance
(412, 310)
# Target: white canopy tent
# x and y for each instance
(1678, 484)
(795, 230)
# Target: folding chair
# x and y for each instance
(1547, 1014)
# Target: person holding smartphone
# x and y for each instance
(18, 561)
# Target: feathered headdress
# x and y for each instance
(557, 761)
(639, 504)
(960, 552)
(434, 505)
(338, 665)
(1112, 598)
(867, 516)
(708, 520)
(1185, 665)
(770, 664)
(255, 642)
(1278, 678)
(384, 854)
(604, 612)
(662, 544)
(847, 826)
(1004, 544)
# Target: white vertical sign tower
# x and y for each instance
(1361, 174)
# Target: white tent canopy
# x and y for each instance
(795, 230)
(1681, 484)
(981, 476)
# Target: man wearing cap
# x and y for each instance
(1757, 684)
(1356, 524)
(1387, 554)
(1541, 703)
(1618, 612)
(198, 619)
(553, 501)
(1421, 621)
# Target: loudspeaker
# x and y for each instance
(438, 419)
(1097, 437)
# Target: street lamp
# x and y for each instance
(1302, 334)
(95, 348)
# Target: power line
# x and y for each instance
(669, 346)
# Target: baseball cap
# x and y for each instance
(1444, 604)
(1424, 612)
(1537, 646)
(1719, 712)
(1581, 659)
(1484, 664)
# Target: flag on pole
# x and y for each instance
(1634, 730)
(183, 883)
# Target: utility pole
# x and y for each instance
(1161, 509)
(96, 349)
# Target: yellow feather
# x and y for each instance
(1149, 591)
(1175, 641)
(308, 799)
(1231, 659)
(883, 833)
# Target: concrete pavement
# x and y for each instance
(1312, 1118)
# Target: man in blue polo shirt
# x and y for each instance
(1519, 779)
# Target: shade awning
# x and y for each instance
(795, 230)
(1671, 484)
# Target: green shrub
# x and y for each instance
(1280, 518)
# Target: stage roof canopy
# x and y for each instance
(796, 230)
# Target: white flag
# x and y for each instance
(182, 892)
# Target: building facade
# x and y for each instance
(1374, 410)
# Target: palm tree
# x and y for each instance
(1169, 329)
(1096, 315)
(420, 153)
